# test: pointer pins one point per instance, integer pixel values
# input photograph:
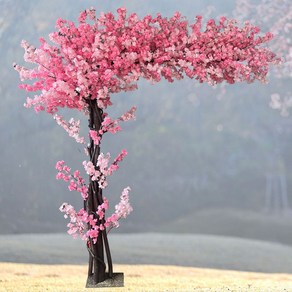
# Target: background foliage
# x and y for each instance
(198, 156)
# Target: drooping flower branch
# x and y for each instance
(72, 128)
(79, 220)
(76, 182)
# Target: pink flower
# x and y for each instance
(93, 233)
(76, 182)
(59, 165)
(72, 127)
(76, 225)
(95, 137)
(110, 55)
(123, 209)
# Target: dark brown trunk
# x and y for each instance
(96, 266)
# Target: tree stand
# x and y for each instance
(117, 280)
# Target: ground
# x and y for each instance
(71, 278)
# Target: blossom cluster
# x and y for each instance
(111, 125)
(76, 226)
(79, 220)
(122, 209)
(72, 128)
(107, 54)
(102, 169)
(76, 182)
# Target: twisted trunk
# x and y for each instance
(96, 267)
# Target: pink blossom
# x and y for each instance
(129, 115)
(102, 208)
(122, 210)
(95, 137)
(72, 127)
(103, 169)
(76, 225)
(72, 186)
(93, 233)
(76, 182)
(59, 165)
(113, 57)
(114, 166)
(91, 170)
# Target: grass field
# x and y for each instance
(70, 278)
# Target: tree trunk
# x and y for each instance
(96, 267)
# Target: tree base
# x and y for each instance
(116, 281)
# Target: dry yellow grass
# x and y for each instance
(62, 278)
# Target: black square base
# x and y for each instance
(116, 281)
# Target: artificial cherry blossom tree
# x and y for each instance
(84, 64)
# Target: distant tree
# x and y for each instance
(103, 55)
(276, 16)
